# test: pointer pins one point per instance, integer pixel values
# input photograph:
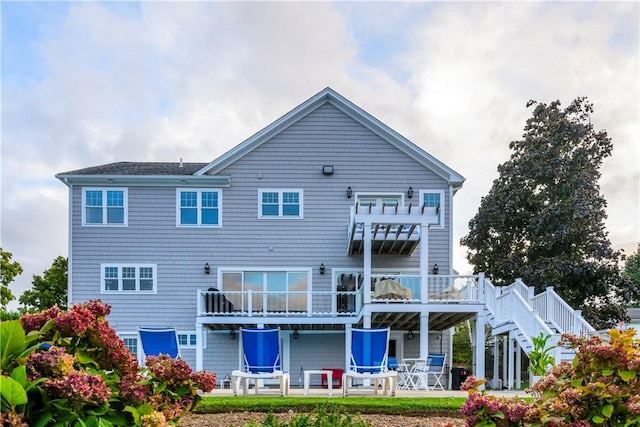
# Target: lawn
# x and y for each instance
(410, 406)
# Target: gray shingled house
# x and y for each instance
(323, 221)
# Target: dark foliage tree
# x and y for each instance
(8, 271)
(632, 268)
(543, 218)
(49, 289)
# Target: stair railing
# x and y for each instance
(556, 311)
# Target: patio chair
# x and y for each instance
(434, 365)
(156, 341)
(369, 349)
(261, 360)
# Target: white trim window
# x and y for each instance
(188, 339)
(285, 203)
(365, 200)
(131, 343)
(198, 207)
(128, 278)
(104, 206)
(434, 199)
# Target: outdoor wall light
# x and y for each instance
(410, 335)
(410, 192)
(322, 268)
(435, 269)
(232, 335)
(327, 170)
(295, 334)
(349, 192)
(207, 269)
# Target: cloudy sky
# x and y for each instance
(88, 83)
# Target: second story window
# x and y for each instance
(434, 199)
(104, 206)
(198, 208)
(128, 278)
(280, 204)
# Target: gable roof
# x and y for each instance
(328, 95)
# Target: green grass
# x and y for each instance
(410, 406)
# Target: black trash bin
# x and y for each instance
(458, 376)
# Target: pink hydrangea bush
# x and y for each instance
(601, 387)
(72, 368)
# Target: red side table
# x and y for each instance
(337, 376)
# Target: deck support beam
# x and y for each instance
(199, 347)
(424, 334)
(481, 321)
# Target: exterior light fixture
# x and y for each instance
(232, 335)
(207, 269)
(322, 268)
(349, 192)
(327, 170)
(435, 269)
(410, 192)
(410, 335)
(295, 334)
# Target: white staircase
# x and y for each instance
(515, 310)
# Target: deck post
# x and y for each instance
(367, 261)
(510, 362)
(424, 335)
(480, 344)
(496, 361)
(199, 348)
(424, 262)
(518, 366)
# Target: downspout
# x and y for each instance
(450, 225)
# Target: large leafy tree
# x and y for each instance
(632, 268)
(543, 218)
(49, 289)
(8, 271)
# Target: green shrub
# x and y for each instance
(71, 369)
(600, 387)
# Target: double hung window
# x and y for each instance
(128, 278)
(280, 204)
(104, 206)
(198, 207)
(434, 199)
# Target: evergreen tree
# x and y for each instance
(543, 218)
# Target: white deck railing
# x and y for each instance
(447, 289)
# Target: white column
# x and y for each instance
(510, 362)
(424, 335)
(347, 347)
(496, 361)
(480, 343)
(424, 262)
(518, 367)
(367, 262)
(199, 348)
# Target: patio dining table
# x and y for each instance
(408, 372)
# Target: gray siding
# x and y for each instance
(292, 159)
